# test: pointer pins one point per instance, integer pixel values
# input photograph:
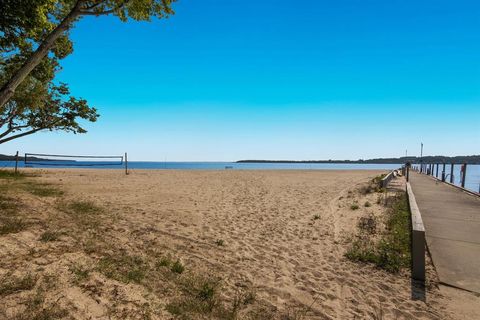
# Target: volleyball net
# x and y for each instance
(61, 160)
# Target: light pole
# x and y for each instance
(421, 157)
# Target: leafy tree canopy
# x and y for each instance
(34, 37)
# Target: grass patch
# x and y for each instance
(42, 189)
(8, 205)
(50, 236)
(10, 284)
(165, 261)
(202, 298)
(83, 208)
(372, 186)
(354, 207)
(10, 174)
(177, 267)
(367, 204)
(11, 225)
(199, 296)
(219, 242)
(316, 217)
(123, 268)
(392, 251)
(79, 273)
(36, 309)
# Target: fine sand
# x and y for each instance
(280, 234)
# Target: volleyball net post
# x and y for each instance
(126, 164)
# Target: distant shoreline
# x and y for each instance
(475, 159)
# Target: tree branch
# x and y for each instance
(20, 135)
(100, 13)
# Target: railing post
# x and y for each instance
(451, 173)
(16, 163)
(443, 172)
(436, 174)
(464, 174)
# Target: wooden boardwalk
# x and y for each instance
(452, 228)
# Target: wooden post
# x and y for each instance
(443, 172)
(407, 172)
(436, 173)
(126, 164)
(16, 163)
(464, 174)
(451, 173)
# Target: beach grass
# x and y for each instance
(80, 272)
(354, 207)
(11, 225)
(43, 190)
(392, 251)
(83, 207)
(11, 284)
(123, 268)
(10, 174)
(36, 308)
(48, 236)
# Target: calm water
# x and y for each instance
(472, 181)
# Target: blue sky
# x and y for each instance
(275, 79)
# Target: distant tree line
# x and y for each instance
(474, 159)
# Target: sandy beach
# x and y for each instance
(278, 235)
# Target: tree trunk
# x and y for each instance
(9, 88)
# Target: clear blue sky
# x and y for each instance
(275, 79)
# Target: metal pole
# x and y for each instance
(16, 163)
(126, 164)
(408, 172)
(443, 172)
(421, 158)
(451, 173)
(436, 174)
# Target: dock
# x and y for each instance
(452, 229)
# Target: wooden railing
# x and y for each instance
(417, 237)
(385, 180)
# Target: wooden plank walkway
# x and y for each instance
(452, 228)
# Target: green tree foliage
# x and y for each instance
(43, 107)
(34, 37)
